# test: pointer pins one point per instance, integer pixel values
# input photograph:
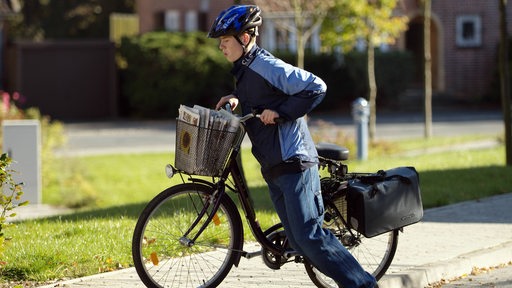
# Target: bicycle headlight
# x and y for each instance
(169, 171)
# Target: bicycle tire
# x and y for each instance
(159, 257)
(374, 254)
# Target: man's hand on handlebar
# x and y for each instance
(231, 99)
(269, 116)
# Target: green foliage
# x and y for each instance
(165, 69)
(52, 137)
(393, 73)
(346, 76)
(64, 177)
(56, 19)
(10, 195)
(351, 21)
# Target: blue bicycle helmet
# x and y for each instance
(235, 20)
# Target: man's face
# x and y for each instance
(231, 49)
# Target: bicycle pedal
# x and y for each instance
(249, 255)
(290, 254)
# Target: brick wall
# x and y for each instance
(469, 70)
(151, 11)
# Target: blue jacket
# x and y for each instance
(266, 82)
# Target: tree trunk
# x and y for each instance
(428, 69)
(300, 49)
(372, 89)
(505, 82)
(299, 28)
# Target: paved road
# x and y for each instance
(94, 138)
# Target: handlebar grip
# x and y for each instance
(277, 120)
(257, 113)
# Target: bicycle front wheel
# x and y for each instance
(163, 259)
(374, 254)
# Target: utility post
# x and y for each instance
(505, 82)
(361, 114)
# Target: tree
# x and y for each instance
(10, 193)
(307, 16)
(374, 22)
(505, 81)
(55, 19)
(428, 67)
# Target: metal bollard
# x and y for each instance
(361, 114)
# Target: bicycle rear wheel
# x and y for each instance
(162, 260)
(374, 254)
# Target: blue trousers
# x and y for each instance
(298, 202)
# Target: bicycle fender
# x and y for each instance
(201, 181)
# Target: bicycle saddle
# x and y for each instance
(332, 151)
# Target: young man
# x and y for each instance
(285, 151)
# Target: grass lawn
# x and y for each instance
(115, 188)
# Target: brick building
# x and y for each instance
(190, 15)
(464, 37)
(465, 40)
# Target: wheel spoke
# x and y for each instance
(159, 256)
(374, 254)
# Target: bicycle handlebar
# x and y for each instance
(254, 113)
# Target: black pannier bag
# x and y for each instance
(384, 201)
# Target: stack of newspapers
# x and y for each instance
(208, 118)
(204, 141)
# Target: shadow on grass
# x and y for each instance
(444, 187)
(476, 195)
(131, 211)
(439, 188)
(259, 194)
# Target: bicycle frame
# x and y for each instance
(206, 201)
(241, 189)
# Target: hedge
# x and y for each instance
(164, 70)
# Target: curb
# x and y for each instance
(126, 272)
(424, 275)
(421, 276)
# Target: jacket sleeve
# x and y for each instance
(303, 89)
(305, 92)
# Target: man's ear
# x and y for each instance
(246, 38)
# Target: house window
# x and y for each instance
(469, 31)
(172, 20)
(191, 21)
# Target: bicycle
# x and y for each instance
(191, 234)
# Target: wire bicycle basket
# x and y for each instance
(200, 150)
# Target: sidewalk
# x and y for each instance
(449, 242)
